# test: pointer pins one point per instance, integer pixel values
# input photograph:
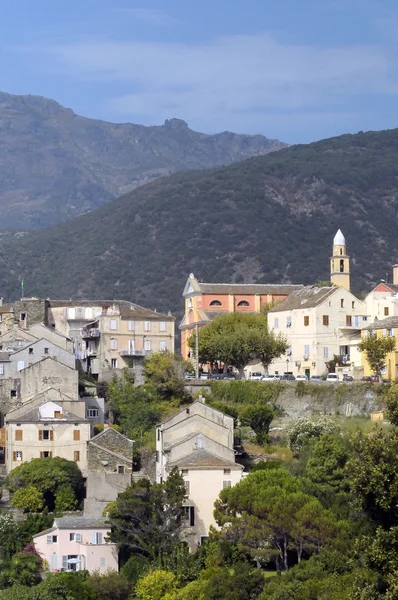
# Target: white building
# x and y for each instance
(199, 442)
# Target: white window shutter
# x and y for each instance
(93, 538)
(1, 369)
(49, 539)
(78, 537)
(65, 561)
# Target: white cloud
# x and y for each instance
(230, 81)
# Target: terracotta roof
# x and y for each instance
(201, 458)
(388, 323)
(248, 288)
(307, 297)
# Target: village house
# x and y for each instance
(77, 544)
(382, 301)
(383, 328)
(199, 441)
(321, 322)
(48, 428)
(205, 301)
(110, 468)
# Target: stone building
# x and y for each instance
(110, 467)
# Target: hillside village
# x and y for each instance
(54, 354)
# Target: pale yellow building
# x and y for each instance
(384, 328)
(47, 429)
(199, 442)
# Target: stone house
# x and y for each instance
(47, 429)
(77, 544)
(199, 442)
(110, 467)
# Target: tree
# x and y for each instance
(47, 475)
(110, 586)
(157, 585)
(237, 338)
(146, 518)
(28, 499)
(258, 417)
(25, 568)
(376, 350)
(65, 499)
(305, 430)
(165, 374)
(10, 538)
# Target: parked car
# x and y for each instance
(332, 378)
(222, 376)
(375, 379)
(204, 376)
(271, 378)
(366, 379)
(348, 378)
(256, 376)
(301, 378)
(287, 377)
(316, 379)
(189, 376)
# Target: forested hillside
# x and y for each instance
(267, 219)
(56, 165)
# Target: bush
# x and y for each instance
(28, 499)
(157, 585)
(306, 430)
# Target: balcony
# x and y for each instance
(132, 352)
(91, 333)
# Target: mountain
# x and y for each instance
(267, 219)
(56, 165)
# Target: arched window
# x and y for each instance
(215, 303)
(243, 303)
(342, 266)
(341, 251)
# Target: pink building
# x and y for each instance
(77, 544)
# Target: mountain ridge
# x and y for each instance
(56, 165)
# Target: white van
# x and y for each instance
(332, 378)
(256, 376)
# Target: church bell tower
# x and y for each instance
(340, 263)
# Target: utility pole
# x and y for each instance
(196, 351)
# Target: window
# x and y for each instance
(184, 472)
(30, 350)
(102, 562)
(13, 393)
(307, 349)
(75, 537)
(22, 316)
(386, 311)
(120, 469)
(187, 485)
(325, 320)
(114, 363)
(306, 321)
(227, 471)
(147, 345)
(288, 321)
(18, 435)
(276, 323)
(226, 484)
(390, 333)
(52, 539)
(162, 326)
(20, 365)
(353, 304)
(112, 324)
(45, 350)
(147, 326)
(348, 320)
(325, 352)
(46, 454)
(162, 346)
(289, 351)
(17, 455)
(92, 413)
(203, 539)
(243, 303)
(199, 442)
(113, 344)
(364, 318)
(1, 369)
(342, 303)
(58, 414)
(96, 538)
(76, 435)
(190, 303)
(71, 314)
(45, 435)
(76, 456)
(131, 325)
(157, 456)
(188, 515)
(215, 303)
(342, 266)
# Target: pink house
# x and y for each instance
(77, 544)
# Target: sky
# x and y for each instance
(294, 70)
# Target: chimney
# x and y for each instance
(1, 300)
(395, 274)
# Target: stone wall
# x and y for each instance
(328, 399)
(112, 448)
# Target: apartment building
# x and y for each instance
(112, 335)
(199, 442)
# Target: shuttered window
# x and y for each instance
(18, 435)
(76, 435)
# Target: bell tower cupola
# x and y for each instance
(340, 262)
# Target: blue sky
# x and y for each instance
(296, 70)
